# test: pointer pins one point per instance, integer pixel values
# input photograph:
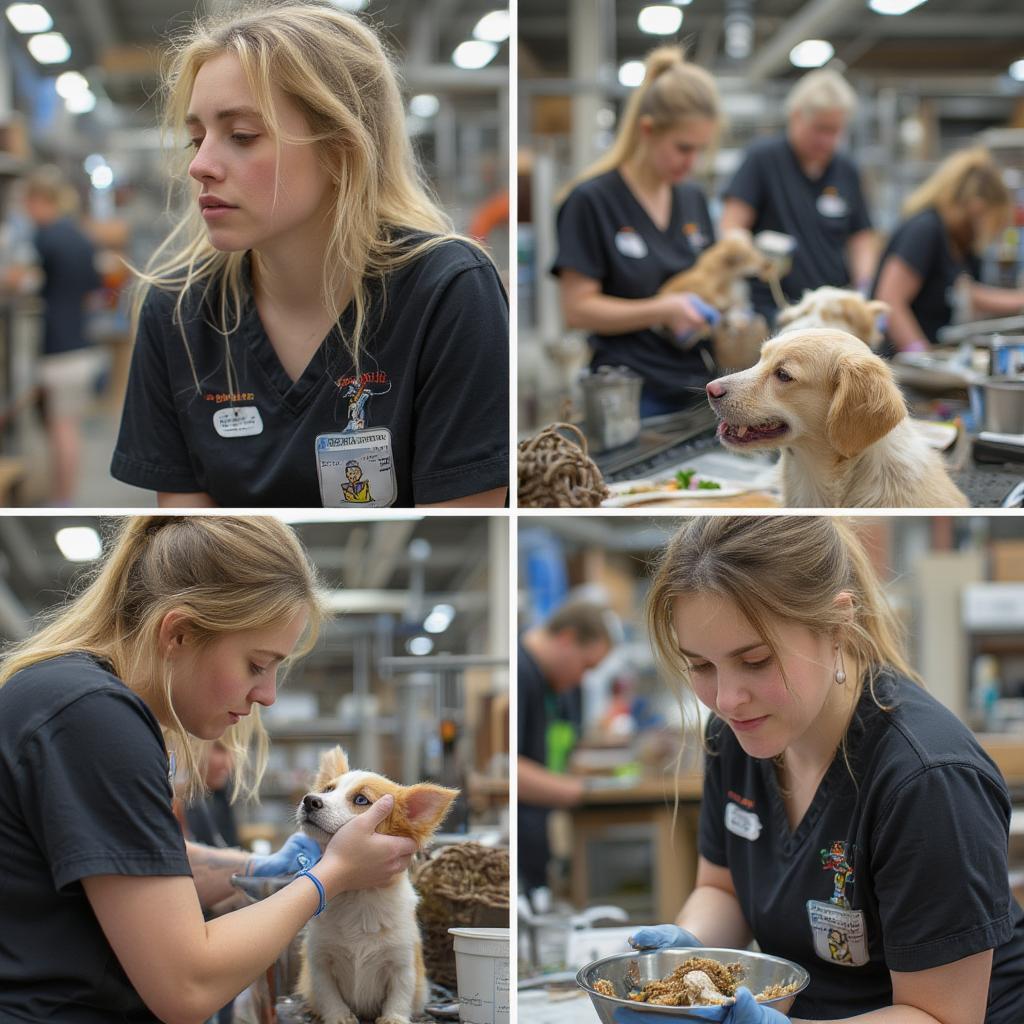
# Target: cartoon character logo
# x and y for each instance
(839, 946)
(359, 394)
(835, 860)
(357, 489)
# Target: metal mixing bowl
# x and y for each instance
(760, 970)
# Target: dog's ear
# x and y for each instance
(333, 763)
(787, 315)
(866, 403)
(419, 810)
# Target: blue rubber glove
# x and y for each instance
(297, 853)
(663, 936)
(746, 1010)
(706, 310)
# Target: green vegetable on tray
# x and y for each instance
(684, 478)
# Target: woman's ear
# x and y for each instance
(174, 632)
(843, 603)
(646, 126)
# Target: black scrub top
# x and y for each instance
(922, 242)
(905, 871)
(604, 233)
(84, 790)
(426, 421)
(820, 213)
(66, 258)
(531, 700)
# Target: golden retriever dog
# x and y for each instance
(839, 308)
(717, 276)
(833, 408)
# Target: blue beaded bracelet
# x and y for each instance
(319, 888)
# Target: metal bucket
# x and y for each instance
(611, 407)
(1003, 409)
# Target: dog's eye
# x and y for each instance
(360, 801)
(781, 374)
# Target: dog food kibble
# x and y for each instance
(605, 987)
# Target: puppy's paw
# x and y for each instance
(391, 1020)
(348, 1017)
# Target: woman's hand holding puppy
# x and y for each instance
(358, 857)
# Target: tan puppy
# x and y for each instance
(839, 308)
(719, 271)
(833, 408)
(363, 954)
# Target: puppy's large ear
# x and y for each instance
(419, 810)
(333, 763)
(866, 404)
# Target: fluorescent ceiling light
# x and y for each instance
(29, 18)
(70, 83)
(82, 103)
(439, 619)
(811, 53)
(49, 48)
(1017, 70)
(893, 6)
(92, 161)
(420, 645)
(631, 73)
(474, 54)
(424, 105)
(79, 543)
(102, 177)
(660, 20)
(493, 27)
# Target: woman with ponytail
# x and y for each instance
(630, 221)
(177, 641)
(849, 821)
(948, 222)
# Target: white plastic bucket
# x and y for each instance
(482, 970)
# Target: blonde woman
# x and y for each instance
(631, 221)
(178, 639)
(849, 821)
(947, 223)
(312, 309)
(800, 184)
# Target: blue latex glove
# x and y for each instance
(746, 1010)
(663, 936)
(298, 852)
(709, 312)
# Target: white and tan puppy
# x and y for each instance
(833, 408)
(363, 954)
(839, 308)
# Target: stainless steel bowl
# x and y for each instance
(1004, 404)
(760, 970)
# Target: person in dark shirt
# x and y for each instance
(553, 658)
(68, 366)
(798, 183)
(934, 251)
(630, 222)
(179, 639)
(313, 307)
(849, 822)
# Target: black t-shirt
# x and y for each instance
(531, 701)
(820, 213)
(604, 233)
(66, 257)
(904, 871)
(923, 243)
(426, 421)
(84, 790)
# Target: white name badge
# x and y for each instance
(356, 469)
(831, 205)
(238, 421)
(840, 935)
(745, 824)
(630, 244)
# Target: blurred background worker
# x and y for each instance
(948, 221)
(553, 658)
(68, 365)
(799, 184)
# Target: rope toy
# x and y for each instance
(556, 472)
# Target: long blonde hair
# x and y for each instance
(779, 567)
(673, 90)
(226, 573)
(336, 70)
(970, 174)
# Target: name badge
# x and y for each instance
(744, 824)
(239, 421)
(356, 469)
(840, 934)
(630, 244)
(831, 205)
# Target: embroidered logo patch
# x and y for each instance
(839, 932)
(359, 392)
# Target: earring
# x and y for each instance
(840, 674)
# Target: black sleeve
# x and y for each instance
(96, 795)
(461, 432)
(151, 451)
(939, 862)
(711, 829)
(747, 183)
(917, 243)
(579, 238)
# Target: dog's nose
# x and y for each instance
(715, 389)
(311, 802)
